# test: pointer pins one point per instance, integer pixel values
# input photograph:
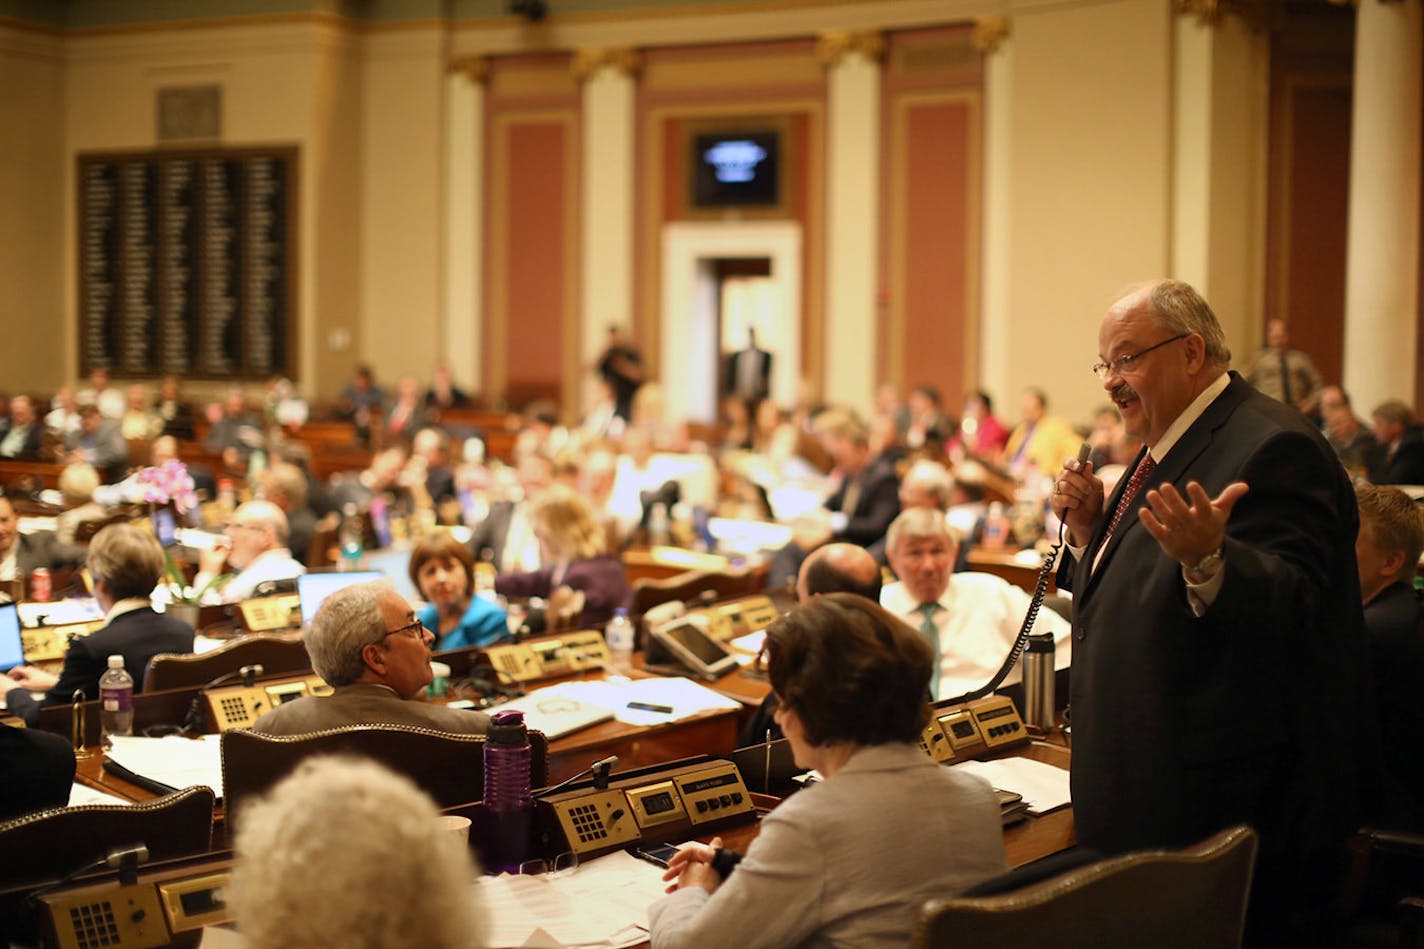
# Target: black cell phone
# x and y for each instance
(656, 853)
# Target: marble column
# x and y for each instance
(852, 62)
(462, 316)
(1382, 256)
(608, 139)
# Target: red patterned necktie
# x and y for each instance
(1134, 484)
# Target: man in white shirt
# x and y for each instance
(256, 552)
(970, 619)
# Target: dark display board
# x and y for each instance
(187, 263)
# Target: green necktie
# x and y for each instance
(931, 634)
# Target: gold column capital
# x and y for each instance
(832, 46)
(1255, 13)
(989, 34)
(590, 60)
(474, 68)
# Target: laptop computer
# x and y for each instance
(313, 588)
(12, 647)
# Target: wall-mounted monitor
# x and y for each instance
(736, 168)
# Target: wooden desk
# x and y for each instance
(1007, 564)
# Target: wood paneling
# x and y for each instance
(532, 233)
(930, 212)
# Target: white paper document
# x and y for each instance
(1043, 786)
(84, 794)
(173, 760)
(684, 697)
(602, 903)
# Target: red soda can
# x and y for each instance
(40, 584)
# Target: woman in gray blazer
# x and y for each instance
(849, 860)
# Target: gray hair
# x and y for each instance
(268, 515)
(919, 522)
(348, 621)
(932, 478)
(1182, 310)
(345, 852)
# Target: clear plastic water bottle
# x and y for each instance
(507, 788)
(116, 700)
(619, 635)
(351, 543)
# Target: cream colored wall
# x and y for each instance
(402, 114)
(32, 248)
(283, 83)
(1088, 173)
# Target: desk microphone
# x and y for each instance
(196, 722)
(600, 770)
(125, 859)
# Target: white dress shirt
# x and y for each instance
(978, 619)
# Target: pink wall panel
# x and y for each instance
(936, 234)
(536, 228)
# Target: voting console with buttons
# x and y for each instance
(672, 803)
(973, 729)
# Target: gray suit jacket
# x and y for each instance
(365, 703)
(848, 862)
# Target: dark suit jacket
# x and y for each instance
(1184, 725)
(602, 580)
(38, 769)
(488, 537)
(34, 439)
(732, 374)
(138, 636)
(875, 508)
(1394, 622)
(43, 549)
(1406, 466)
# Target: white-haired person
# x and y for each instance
(370, 646)
(344, 853)
(77, 483)
(255, 552)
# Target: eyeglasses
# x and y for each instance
(565, 864)
(1125, 363)
(415, 630)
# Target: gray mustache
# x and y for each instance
(1123, 392)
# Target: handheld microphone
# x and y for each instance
(1040, 590)
(600, 770)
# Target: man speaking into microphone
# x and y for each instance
(1216, 616)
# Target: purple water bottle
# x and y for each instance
(507, 788)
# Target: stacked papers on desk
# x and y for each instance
(173, 760)
(1044, 787)
(556, 711)
(602, 903)
(82, 794)
(683, 697)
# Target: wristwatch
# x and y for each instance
(1205, 568)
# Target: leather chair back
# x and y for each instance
(1164, 899)
(448, 767)
(49, 844)
(276, 654)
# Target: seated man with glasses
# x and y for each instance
(368, 645)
